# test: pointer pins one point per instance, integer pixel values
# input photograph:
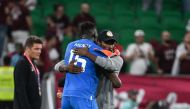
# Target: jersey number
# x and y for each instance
(78, 60)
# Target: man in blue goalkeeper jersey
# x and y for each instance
(113, 64)
(80, 89)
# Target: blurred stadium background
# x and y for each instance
(122, 17)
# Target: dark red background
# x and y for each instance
(156, 87)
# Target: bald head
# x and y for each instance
(165, 36)
(85, 8)
(187, 38)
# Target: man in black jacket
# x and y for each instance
(26, 77)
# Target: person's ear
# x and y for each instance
(27, 48)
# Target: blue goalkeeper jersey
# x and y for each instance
(85, 83)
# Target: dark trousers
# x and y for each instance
(6, 104)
